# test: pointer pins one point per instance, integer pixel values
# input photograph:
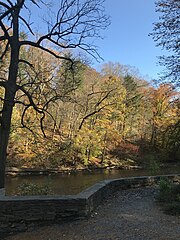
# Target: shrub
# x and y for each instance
(169, 196)
(154, 167)
(33, 189)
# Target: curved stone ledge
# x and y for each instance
(20, 213)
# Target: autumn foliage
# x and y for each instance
(97, 120)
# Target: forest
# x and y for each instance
(92, 119)
(57, 111)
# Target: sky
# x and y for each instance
(126, 40)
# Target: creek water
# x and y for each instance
(69, 184)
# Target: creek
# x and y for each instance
(69, 184)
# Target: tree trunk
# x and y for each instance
(10, 92)
(4, 134)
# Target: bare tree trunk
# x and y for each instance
(4, 133)
(10, 92)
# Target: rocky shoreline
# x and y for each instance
(13, 171)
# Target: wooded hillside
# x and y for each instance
(90, 118)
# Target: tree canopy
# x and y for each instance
(166, 33)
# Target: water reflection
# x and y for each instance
(65, 184)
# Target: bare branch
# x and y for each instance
(6, 34)
(2, 38)
(22, 118)
(27, 25)
(33, 1)
(102, 99)
(36, 45)
(26, 62)
(96, 105)
(93, 113)
(31, 102)
(75, 22)
(35, 107)
(10, 3)
(4, 5)
(6, 13)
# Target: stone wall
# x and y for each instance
(2, 192)
(20, 213)
(17, 214)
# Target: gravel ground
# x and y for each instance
(127, 215)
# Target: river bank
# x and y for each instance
(14, 171)
(23, 171)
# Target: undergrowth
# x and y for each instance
(29, 189)
(169, 196)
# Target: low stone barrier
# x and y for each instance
(2, 192)
(18, 213)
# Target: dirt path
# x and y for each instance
(127, 215)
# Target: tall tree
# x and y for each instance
(166, 33)
(164, 113)
(75, 23)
